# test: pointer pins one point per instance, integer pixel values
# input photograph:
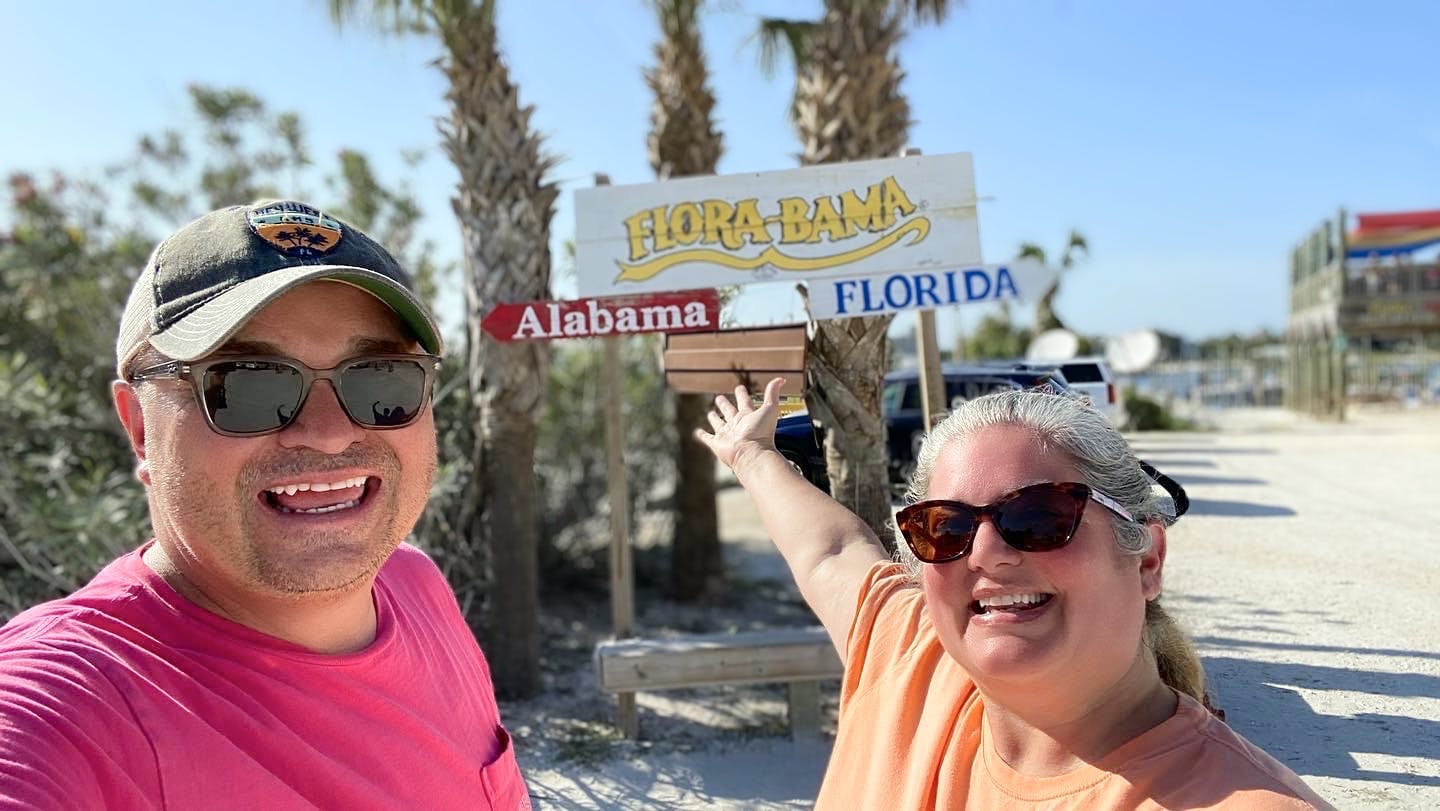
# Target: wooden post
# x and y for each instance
(932, 377)
(622, 569)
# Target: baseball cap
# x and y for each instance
(206, 280)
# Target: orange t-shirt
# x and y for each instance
(912, 735)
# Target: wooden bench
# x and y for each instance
(801, 657)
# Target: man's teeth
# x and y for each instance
(1003, 600)
(344, 505)
(318, 487)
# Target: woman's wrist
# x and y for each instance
(748, 458)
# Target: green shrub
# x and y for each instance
(1145, 414)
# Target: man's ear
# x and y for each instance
(127, 406)
(1152, 563)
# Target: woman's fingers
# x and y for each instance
(724, 405)
(772, 391)
(742, 399)
(716, 421)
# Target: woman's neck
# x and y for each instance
(1057, 733)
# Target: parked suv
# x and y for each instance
(802, 442)
(903, 407)
(1090, 377)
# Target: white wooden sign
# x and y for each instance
(878, 217)
(1023, 279)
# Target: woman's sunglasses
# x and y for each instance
(248, 395)
(1037, 518)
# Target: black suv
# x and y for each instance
(801, 442)
(903, 408)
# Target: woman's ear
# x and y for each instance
(1153, 561)
(132, 417)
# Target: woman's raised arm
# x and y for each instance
(827, 547)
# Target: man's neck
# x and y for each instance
(332, 623)
(1058, 734)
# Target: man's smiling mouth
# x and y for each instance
(319, 497)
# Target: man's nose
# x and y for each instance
(322, 423)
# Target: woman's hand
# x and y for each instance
(741, 429)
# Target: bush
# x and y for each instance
(1146, 414)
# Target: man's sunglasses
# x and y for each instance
(248, 395)
(1037, 518)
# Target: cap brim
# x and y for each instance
(210, 325)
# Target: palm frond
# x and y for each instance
(407, 16)
(1075, 244)
(781, 37)
(1030, 250)
(926, 12)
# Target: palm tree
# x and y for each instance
(683, 141)
(849, 106)
(504, 204)
(1045, 317)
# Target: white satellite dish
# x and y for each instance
(1132, 352)
(1052, 345)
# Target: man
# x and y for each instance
(275, 645)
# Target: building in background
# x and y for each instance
(1365, 312)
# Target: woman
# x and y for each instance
(1021, 658)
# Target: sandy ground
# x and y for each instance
(1307, 572)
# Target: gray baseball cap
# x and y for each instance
(206, 280)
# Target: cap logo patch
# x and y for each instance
(295, 229)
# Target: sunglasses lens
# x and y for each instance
(382, 392)
(248, 396)
(939, 532)
(1041, 517)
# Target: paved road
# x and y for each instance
(1308, 573)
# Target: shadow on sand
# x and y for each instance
(1263, 700)
(1240, 509)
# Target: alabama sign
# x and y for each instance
(1023, 279)
(835, 220)
(694, 311)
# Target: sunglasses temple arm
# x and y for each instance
(1177, 493)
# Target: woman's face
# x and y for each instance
(1084, 604)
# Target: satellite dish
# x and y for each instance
(1133, 352)
(1053, 345)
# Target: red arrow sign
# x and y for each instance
(688, 311)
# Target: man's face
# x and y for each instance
(312, 509)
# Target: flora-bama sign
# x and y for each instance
(1022, 279)
(820, 222)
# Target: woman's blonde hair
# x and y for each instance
(1106, 463)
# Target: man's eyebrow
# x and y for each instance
(363, 345)
(247, 347)
(382, 346)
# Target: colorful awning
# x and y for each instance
(1393, 233)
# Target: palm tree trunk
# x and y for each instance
(683, 142)
(695, 561)
(848, 106)
(504, 205)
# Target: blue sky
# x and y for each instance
(1192, 143)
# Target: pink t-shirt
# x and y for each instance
(126, 695)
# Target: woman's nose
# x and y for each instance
(989, 550)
